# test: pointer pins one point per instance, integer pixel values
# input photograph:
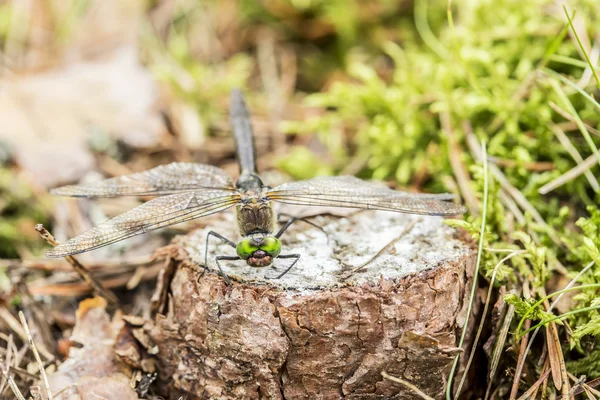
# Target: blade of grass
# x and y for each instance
(582, 92)
(569, 107)
(564, 140)
(570, 61)
(554, 45)
(477, 266)
(543, 299)
(571, 119)
(422, 25)
(570, 174)
(587, 57)
(561, 317)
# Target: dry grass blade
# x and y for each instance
(580, 42)
(553, 357)
(535, 386)
(499, 347)
(407, 384)
(573, 121)
(590, 385)
(569, 107)
(483, 316)
(36, 354)
(486, 186)
(582, 385)
(14, 324)
(564, 140)
(516, 194)
(80, 269)
(570, 174)
(11, 382)
(458, 167)
(538, 166)
(559, 361)
(520, 362)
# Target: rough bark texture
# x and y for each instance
(296, 339)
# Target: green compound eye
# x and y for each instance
(271, 245)
(245, 249)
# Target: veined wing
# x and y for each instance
(351, 192)
(156, 213)
(164, 179)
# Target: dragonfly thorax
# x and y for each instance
(255, 212)
(259, 250)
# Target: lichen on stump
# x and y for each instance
(318, 332)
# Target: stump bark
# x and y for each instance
(325, 330)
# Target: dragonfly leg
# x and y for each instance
(296, 256)
(225, 258)
(294, 219)
(219, 236)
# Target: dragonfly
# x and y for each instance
(186, 191)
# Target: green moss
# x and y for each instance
(20, 210)
(500, 67)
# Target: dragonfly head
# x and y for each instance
(259, 251)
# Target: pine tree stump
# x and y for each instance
(326, 330)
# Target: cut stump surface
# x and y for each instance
(320, 332)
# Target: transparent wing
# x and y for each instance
(351, 192)
(154, 214)
(165, 179)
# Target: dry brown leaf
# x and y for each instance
(92, 371)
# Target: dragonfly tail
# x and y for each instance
(242, 130)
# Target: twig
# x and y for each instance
(59, 265)
(537, 166)
(407, 384)
(80, 269)
(36, 355)
(81, 288)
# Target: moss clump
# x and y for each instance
(503, 71)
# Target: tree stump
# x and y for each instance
(326, 330)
